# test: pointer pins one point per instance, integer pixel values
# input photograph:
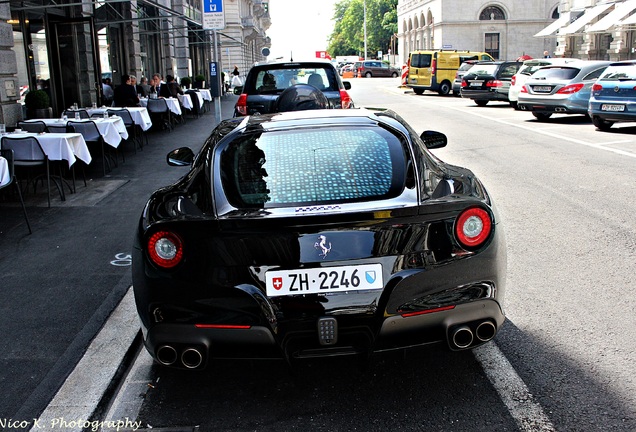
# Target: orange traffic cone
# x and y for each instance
(359, 74)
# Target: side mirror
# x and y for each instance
(347, 85)
(182, 156)
(238, 90)
(434, 139)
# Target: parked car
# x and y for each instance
(266, 82)
(529, 67)
(613, 96)
(489, 81)
(375, 68)
(457, 82)
(562, 89)
(317, 233)
(435, 69)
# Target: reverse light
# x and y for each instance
(241, 104)
(165, 249)
(345, 99)
(570, 89)
(473, 227)
(494, 83)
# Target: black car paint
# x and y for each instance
(484, 93)
(226, 255)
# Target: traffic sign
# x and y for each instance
(213, 17)
(212, 6)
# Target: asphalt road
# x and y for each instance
(564, 360)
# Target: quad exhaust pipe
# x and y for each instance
(190, 358)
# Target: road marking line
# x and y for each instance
(512, 390)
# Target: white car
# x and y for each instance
(529, 67)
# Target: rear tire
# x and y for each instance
(514, 104)
(481, 103)
(367, 75)
(542, 116)
(444, 88)
(601, 124)
(418, 91)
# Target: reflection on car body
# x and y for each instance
(613, 97)
(317, 233)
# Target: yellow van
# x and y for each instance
(435, 70)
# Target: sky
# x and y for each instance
(299, 27)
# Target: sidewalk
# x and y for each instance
(61, 284)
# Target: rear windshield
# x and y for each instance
(312, 166)
(483, 69)
(421, 60)
(620, 73)
(559, 73)
(277, 80)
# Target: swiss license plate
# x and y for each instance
(611, 107)
(476, 83)
(542, 89)
(324, 280)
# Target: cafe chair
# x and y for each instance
(196, 109)
(134, 131)
(91, 135)
(8, 155)
(70, 114)
(160, 113)
(66, 128)
(28, 154)
(32, 126)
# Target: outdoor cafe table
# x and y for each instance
(173, 104)
(4, 171)
(112, 129)
(185, 100)
(205, 94)
(60, 146)
(139, 115)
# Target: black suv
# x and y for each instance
(489, 81)
(266, 82)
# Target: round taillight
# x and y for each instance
(165, 249)
(473, 227)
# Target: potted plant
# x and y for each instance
(199, 81)
(38, 103)
(186, 82)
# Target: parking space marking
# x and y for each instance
(514, 393)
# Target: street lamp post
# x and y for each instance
(365, 29)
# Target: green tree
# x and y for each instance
(347, 37)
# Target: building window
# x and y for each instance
(491, 44)
(492, 13)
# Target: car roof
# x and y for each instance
(291, 64)
(286, 119)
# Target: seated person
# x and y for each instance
(316, 81)
(269, 82)
(173, 88)
(125, 94)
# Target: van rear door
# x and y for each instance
(420, 69)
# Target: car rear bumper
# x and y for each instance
(191, 347)
(488, 95)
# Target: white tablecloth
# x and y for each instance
(205, 94)
(4, 171)
(185, 100)
(173, 104)
(111, 129)
(61, 146)
(139, 115)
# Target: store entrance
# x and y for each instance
(75, 66)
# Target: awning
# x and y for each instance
(553, 27)
(611, 19)
(630, 20)
(585, 19)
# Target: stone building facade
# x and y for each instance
(503, 28)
